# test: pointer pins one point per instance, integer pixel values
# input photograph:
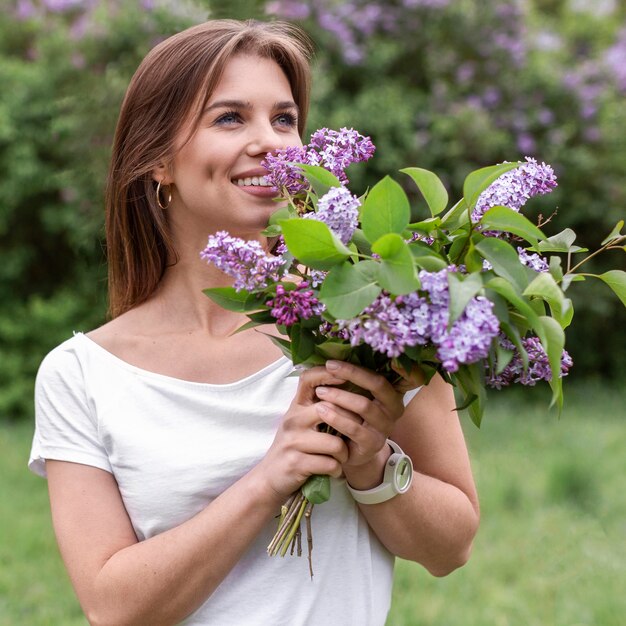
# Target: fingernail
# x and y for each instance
(321, 409)
(321, 391)
(333, 365)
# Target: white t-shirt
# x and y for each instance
(173, 446)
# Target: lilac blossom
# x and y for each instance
(534, 261)
(339, 210)
(335, 150)
(332, 149)
(317, 277)
(615, 59)
(391, 325)
(245, 261)
(382, 325)
(515, 187)
(538, 365)
(469, 337)
(291, 305)
(282, 171)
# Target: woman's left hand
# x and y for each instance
(367, 423)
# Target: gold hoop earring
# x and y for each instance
(158, 196)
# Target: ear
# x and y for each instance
(161, 174)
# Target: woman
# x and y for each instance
(170, 443)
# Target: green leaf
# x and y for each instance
(336, 350)
(545, 287)
(616, 280)
(553, 345)
(397, 271)
(477, 181)
(502, 218)
(281, 214)
(616, 233)
(426, 258)
(561, 242)
(361, 242)
(283, 344)
(456, 217)
(312, 243)
(320, 178)
(507, 291)
(471, 380)
(302, 343)
(317, 489)
(385, 210)
(504, 260)
(431, 188)
(348, 289)
(232, 300)
(426, 226)
(556, 270)
(462, 289)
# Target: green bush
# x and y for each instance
(449, 87)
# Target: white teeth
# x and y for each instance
(257, 181)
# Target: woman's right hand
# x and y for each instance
(299, 449)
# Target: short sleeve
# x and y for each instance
(65, 427)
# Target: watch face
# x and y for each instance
(403, 474)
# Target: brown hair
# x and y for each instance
(161, 95)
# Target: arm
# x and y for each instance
(121, 581)
(435, 521)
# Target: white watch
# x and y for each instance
(397, 479)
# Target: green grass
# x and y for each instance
(551, 550)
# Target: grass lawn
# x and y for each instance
(551, 550)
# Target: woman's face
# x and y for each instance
(216, 175)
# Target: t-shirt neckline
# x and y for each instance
(242, 382)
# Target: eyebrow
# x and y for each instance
(240, 104)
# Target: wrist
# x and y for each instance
(370, 474)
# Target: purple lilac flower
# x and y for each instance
(469, 338)
(317, 277)
(382, 326)
(292, 305)
(534, 261)
(515, 187)
(332, 149)
(615, 59)
(245, 261)
(389, 325)
(59, 6)
(332, 331)
(282, 173)
(339, 210)
(335, 150)
(538, 365)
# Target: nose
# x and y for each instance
(265, 138)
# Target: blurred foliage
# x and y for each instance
(449, 86)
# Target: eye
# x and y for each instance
(286, 119)
(230, 117)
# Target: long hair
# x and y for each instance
(175, 79)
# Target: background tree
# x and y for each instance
(448, 86)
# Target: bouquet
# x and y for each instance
(474, 291)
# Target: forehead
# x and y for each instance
(246, 74)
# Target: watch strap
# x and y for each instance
(387, 489)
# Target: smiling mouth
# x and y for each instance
(252, 181)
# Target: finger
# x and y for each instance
(355, 404)
(312, 378)
(366, 440)
(377, 385)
